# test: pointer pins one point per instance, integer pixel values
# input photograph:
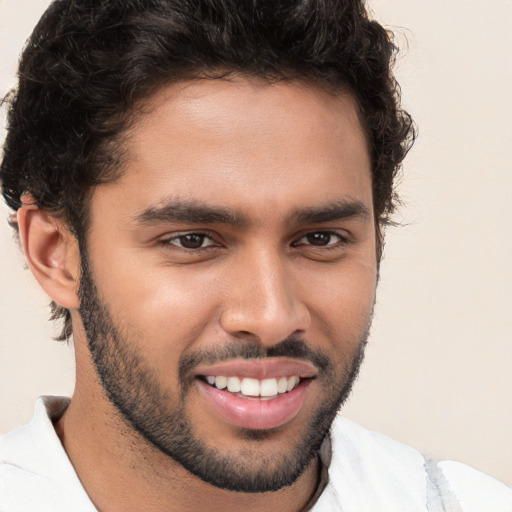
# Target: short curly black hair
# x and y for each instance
(89, 63)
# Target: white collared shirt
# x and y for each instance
(368, 473)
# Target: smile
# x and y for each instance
(256, 394)
(254, 389)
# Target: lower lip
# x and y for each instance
(256, 414)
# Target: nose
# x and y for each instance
(263, 302)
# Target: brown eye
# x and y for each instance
(321, 238)
(327, 239)
(191, 241)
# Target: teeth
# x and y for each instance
(292, 382)
(250, 387)
(221, 382)
(234, 384)
(254, 387)
(282, 385)
(268, 387)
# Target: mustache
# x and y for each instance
(294, 348)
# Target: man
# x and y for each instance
(201, 188)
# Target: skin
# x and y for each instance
(265, 152)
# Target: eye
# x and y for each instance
(322, 239)
(189, 241)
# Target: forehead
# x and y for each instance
(244, 144)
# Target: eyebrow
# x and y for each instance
(345, 209)
(185, 212)
(179, 211)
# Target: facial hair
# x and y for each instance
(158, 414)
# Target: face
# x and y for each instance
(229, 278)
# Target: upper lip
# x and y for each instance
(259, 368)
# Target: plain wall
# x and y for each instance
(438, 368)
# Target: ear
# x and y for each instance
(51, 252)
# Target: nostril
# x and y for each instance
(245, 335)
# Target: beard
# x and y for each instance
(158, 414)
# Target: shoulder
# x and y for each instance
(393, 476)
(475, 490)
(35, 472)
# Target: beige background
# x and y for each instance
(438, 369)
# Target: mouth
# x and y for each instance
(258, 394)
(254, 389)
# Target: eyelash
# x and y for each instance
(170, 242)
(342, 240)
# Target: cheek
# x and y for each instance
(341, 299)
(161, 311)
(173, 308)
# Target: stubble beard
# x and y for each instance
(133, 387)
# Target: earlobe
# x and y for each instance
(52, 254)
